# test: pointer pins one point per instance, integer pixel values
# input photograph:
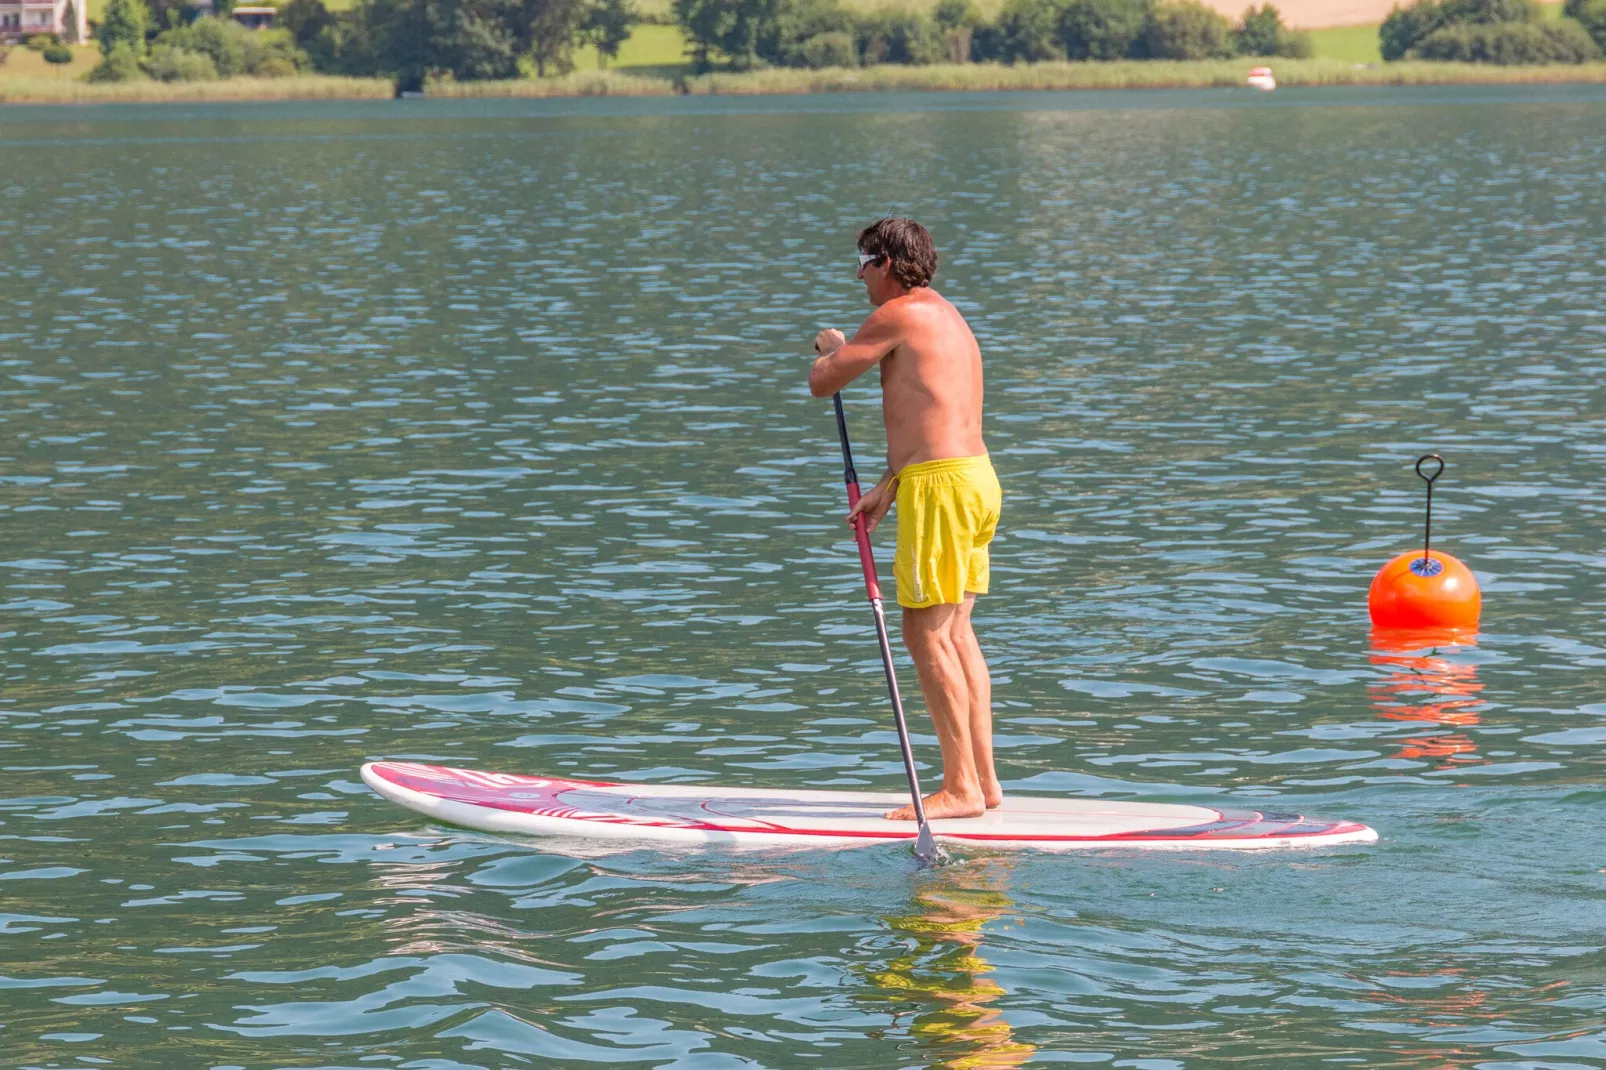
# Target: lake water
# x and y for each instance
(478, 433)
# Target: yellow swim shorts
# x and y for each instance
(947, 513)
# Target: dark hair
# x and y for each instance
(906, 244)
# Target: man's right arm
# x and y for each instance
(875, 338)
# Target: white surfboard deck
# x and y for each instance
(698, 813)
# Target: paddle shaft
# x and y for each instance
(925, 846)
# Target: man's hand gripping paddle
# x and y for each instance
(926, 850)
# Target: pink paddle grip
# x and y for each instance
(862, 535)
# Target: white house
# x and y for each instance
(21, 18)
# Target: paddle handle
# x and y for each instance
(926, 848)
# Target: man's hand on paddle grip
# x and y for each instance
(829, 341)
(875, 503)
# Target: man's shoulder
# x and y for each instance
(921, 301)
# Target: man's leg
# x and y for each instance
(980, 685)
(930, 635)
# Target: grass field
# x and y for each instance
(650, 47)
(26, 63)
(1352, 44)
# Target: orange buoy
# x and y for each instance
(1429, 589)
(1433, 592)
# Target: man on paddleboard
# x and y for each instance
(941, 479)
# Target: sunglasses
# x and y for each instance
(866, 259)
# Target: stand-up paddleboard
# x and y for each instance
(695, 813)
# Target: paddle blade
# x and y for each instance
(927, 853)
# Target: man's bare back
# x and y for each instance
(931, 379)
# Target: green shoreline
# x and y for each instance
(1145, 74)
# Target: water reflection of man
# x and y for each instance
(960, 1027)
(942, 480)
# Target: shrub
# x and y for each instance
(741, 29)
(834, 49)
(124, 23)
(956, 15)
(1509, 43)
(1262, 33)
(1027, 30)
(57, 54)
(120, 64)
(892, 36)
(1258, 33)
(1405, 26)
(1104, 29)
(1591, 14)
(795, 22)
(1489, 11)
(170, 64)
(958, 20)
(233, 50)
(41, 41)
(1186, 30)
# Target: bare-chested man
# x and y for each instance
(942, 480)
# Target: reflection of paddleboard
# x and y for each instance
(694, 813)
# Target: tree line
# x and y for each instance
(1494, 31)
(415, 40)
(823, 33)
(408, 40)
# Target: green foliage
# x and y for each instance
(781, 41)
(1509, 43)
(1490, 11)
(38, 42)
(1028, 30)
(69, 20)
(1262, 33)
(1591, 15)
(834, 49)
(605, 25)
(231, 50)
(57, 54)
(1186, 30)
(893, 36)
(169, 63)
(733, 27)
(1104, 29)
(956, 14)
(305, 21)
(123, 22)
(545, 30)
(120, 64)
(1406, 27)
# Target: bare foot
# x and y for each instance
(940, 804)
(993, 794)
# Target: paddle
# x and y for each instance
(926, 850)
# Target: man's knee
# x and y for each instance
(930, 630)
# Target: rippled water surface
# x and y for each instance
(478, 434)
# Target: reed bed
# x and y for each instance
(30, 90)
(1148, 74)
(576, 84)
(1145, 74)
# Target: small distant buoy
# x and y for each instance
(1429, 589)
(1260, 78)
